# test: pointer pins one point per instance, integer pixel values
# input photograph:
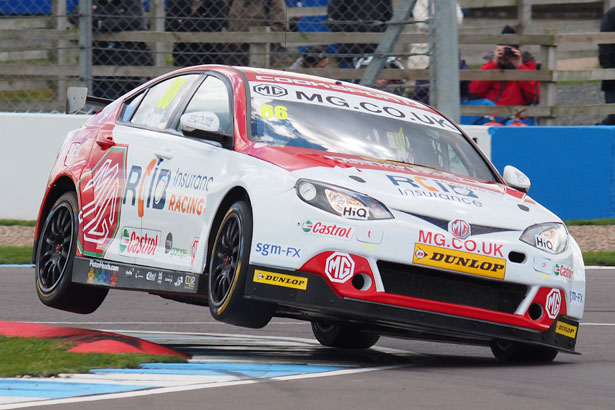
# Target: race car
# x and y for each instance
(263, 193)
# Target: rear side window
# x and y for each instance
(161, 100)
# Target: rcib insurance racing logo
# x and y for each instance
(553, 303)
(100, 191)
(339, 267)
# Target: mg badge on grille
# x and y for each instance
(459, 228)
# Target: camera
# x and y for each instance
(508, 52)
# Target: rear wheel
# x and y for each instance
(55, 254)
(345, 337)
(515, 352)
(228, 271)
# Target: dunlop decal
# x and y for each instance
(566, 329)
(278, 279)
(467, 262)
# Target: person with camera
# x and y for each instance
(508, 57)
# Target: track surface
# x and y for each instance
(396, 374)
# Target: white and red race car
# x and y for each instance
(263, 193)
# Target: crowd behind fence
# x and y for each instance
(112, 46)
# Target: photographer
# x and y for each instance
(508, 57)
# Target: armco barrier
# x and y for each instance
(572, 169)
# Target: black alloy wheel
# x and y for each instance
(54, 258)
(55, 247)
(228, 272)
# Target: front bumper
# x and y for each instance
(308, 296)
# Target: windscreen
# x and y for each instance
(359, 125)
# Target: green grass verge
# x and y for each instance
(49, 357)
(595, 222)
(20, 255)
(16, 222)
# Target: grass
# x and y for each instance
(22, 255)
(19, 255)
(594, 222)
(16, 222)
(49, 357)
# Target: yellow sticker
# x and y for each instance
(566, 329)
(171, 92)
(279, 279)
(467, 262)
(279, 111)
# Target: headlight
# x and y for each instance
(340, 201)
(550, 237)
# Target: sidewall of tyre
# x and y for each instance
(343, 337)
(66, 295)
(236, 309)
(515, 352)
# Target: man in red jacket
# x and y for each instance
(508, 57)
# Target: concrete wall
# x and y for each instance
(572, 168)
(29, 144)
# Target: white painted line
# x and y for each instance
(176, 389)
(597, 324)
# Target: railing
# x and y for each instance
(39, 67)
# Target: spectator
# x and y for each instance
(508, 57)
(196, 16)
(606, 55)
(421, 89)
(244, 14)
(111, 16)
(313, 57)
(392, 86)
(419, 52)
(357, 16)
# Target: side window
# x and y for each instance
(161, 101)
(130, 107)
(213, 96)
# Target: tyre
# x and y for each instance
(515, 352)
(228, 270)
(344, 337)
(55, 253)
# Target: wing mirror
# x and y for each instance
(205, 125)
(200, 121)
(516, 179)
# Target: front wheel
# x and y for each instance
(344, 337)
(515, 352)
(228, 271)
(55, 253)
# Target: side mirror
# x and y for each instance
(205, 121)
(516, 179)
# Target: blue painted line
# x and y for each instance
(251, 370)
(298, 368)
(60, 390)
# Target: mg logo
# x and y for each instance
(339, 267)
(459, 228)
(270, 90)
(553, 303)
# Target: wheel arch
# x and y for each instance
(59, 187)
(237, 193)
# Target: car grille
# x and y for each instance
(431, 284)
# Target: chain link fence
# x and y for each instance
(114, 45)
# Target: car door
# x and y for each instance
(137, 152)
(184, 171)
